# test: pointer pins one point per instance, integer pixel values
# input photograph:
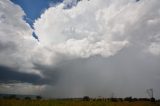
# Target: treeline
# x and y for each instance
(24, 98)
(129, 99)
(85, 98)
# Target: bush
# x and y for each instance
(38, 97)
(27, 98)
(12, 97)
(153, 100)
(86, 98)
(114, 99)
(129, 99)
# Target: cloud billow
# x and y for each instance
(93, 48)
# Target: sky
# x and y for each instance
(71, 48)
(34, 8)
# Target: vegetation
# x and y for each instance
(86, 98)
(27, 98)
(78, 102)
(38, 97)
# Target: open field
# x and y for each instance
(74, 103)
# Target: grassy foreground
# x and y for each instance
(74, 103)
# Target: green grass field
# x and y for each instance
(74, 103)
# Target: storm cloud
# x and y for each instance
(90, 47)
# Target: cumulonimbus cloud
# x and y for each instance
(87, 45)
(79, 32)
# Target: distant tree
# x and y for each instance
(143, 99)
(5, 97)
(120, 99)
(150, 94)
(134, 99)
(158, 100)
(12, 97)
(27, 98)
(38, 97)
(86, 98)
(114, 99)
(153, 100)
(129, 99)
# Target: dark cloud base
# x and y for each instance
(9, 75)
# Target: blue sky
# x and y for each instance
(34, 8)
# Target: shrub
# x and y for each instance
(12, 97)
(27, 98)
(38, 97)
(86, 98)
(129, 99)
(153, 99)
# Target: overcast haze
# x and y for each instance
(94, 48)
